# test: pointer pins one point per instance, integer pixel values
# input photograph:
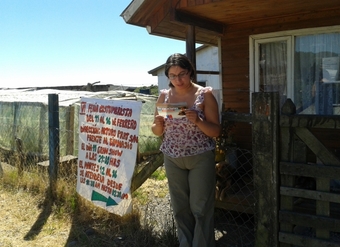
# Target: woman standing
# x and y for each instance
(188, 149)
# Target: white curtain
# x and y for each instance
(314, 91)
(273, 68)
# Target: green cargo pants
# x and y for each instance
(192, 182)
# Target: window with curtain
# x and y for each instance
(316, 74)
(273, 68)
(304, 68)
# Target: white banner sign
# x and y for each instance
(108, 138)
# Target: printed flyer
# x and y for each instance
(108, 139)
(172, 110)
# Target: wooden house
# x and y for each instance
(280, 72)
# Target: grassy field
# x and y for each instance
(31, 217)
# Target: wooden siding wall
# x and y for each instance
(235, 58)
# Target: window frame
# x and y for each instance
(256, 40)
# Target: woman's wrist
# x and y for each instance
(199, 121)
(158, 130)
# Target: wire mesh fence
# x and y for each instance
(235, 198)
(24, 138)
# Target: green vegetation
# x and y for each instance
(159, 174)
(153, 89)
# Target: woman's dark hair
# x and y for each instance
(182, 61)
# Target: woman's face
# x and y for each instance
(179, 77)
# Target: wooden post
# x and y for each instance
(70, 131)
(1, 170)
(190, 42)
(53, 124)
(322, 207)
(20, 152)
(42, 128)
(265, 137)
(15, 123)
(292, 150)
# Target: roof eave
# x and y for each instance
(131, 10)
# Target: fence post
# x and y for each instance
(20, 152)
(1, 170)
(265, 138)
(53, 124)
(42, 128)
(70, 130)
(15, 123)
(292, 150)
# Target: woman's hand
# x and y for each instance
(158, 125)
(159, 121)
(192, 116)
(210, 125)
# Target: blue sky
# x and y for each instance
(73, 42)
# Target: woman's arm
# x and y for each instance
(158, 122)
(211, 124)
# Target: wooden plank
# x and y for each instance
(237, 117)
(157, 17)
(310, 194)
(308, 206)
(238, 56)
(323, 207)
(237, 105)
(139, 178)
(180, 4)
(63, 159)
(266, 25)
(305, 241)
(191, 2)
(327, 157)
(309, 170)
(315, 221)
(238, 98)
(189, 19)
(242, 87)
(310, 121)
(240, 69)
(241, 37)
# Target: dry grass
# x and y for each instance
(19, 212)
(30, 217)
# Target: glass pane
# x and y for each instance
(316, 74)
(273, 68)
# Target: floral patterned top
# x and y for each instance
(183, 138)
